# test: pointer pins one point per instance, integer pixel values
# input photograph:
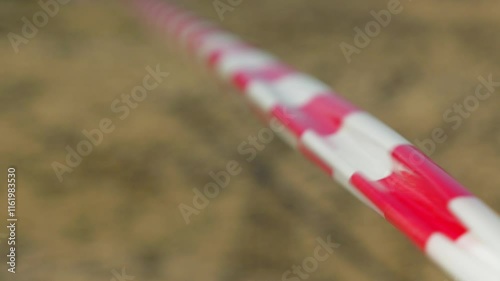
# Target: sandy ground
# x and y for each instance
(119, 208)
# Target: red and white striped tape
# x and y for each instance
(457, 230)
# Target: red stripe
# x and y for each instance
(422, 188)
(412, 191)
(438, 182)
(407, 221)
(324, 114)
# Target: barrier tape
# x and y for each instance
(454, 228)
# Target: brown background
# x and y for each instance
(119, 208)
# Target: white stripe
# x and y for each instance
(332, 156)
(292, 90)
(262, 95)
(470, 243)
(479, 218)
(250, 59)
(298, 89)
(457, 262)
(362, 144)
(216, 41)
(370, 129)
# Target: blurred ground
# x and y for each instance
(119, 208)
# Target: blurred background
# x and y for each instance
(119, 209)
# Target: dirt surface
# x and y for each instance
(118, 209)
